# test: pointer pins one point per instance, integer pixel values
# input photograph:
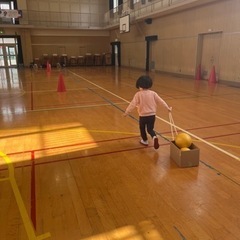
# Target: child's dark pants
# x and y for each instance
(147, 122)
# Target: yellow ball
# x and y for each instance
(185, 149)
(183, 140)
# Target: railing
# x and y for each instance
(62, 19)
(136, 8)
(140, 9)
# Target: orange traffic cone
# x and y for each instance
(198, 73)
(61, 85)
(212, 77)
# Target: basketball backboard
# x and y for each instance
(124, 23)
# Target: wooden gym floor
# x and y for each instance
(72, 168)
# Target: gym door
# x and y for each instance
(8, 56)
(209, 46)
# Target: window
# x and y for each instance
(4, 6)
(7, 5)
(115, 3)
(115, 6)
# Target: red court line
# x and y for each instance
(80, 157)
(91, 155)
(33, 164)
(71, 145)
(31, 96)
(97, 154)
(33, 191)
(223, 135)
(108, 140)
(32, 152)
(213, 126)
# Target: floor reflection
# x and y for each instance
(10, 88)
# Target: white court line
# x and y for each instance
(193, 135)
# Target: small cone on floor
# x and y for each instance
(198, 73)
(212, 77)
(61, 85)
(48, 67)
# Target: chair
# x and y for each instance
(73, 61)
(54, 60)
(80, 60)
(88, 59)
(64, 60)
(97, 59)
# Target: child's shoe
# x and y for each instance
(155, 142)
(145, 143)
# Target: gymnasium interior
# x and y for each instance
(71, 164)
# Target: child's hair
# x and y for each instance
(144, 82)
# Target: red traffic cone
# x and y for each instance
(198, 73)
(212, 77)
(61, 85)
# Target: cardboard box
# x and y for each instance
(185, 158)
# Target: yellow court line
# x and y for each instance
(26, 220)
(163, 120)
(200, 139)
(217, 143)
(132, 133)
(226, 145)
(115, 132)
